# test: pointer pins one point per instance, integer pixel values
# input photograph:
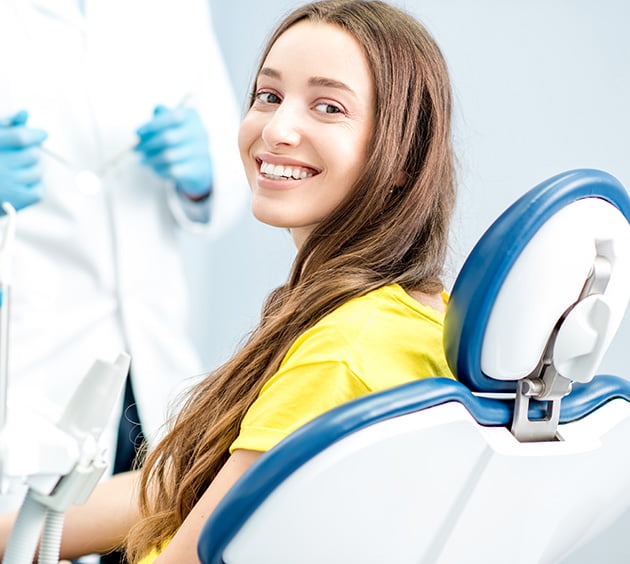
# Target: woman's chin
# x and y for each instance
(271, 217)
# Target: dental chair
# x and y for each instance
(523, 459)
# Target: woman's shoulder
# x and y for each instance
(390, 301)
(366, 322)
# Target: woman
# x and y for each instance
(346, 144)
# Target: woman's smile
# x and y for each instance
(282, 173)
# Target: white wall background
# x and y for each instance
(541, 86)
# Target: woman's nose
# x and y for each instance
(283, 128)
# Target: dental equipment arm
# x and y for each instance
(97, 526)
(60, 462)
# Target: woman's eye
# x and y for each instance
(328, 108)
(268, 97)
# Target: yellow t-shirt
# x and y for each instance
(377, 341)
(371, 343)
(150, 558)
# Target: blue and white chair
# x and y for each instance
(523, 459)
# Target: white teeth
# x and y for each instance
(280, 172)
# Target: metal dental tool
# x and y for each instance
(90, 181)
(6, 249)
(124, 152)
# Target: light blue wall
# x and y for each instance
(541, 86)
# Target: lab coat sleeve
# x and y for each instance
(215, 101)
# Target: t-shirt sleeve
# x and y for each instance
(292, 397)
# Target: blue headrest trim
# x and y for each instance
(302, 445)
(489, 263)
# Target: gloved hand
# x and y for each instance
(175, 145)
(20, 169)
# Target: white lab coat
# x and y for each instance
(96, 274)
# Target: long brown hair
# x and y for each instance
(392, 228)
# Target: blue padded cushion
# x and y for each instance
(488, 264)
(274, 466)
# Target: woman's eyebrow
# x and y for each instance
(266, 71)
(329, 83)
(313, 81)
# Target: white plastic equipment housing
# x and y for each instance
(35, 449)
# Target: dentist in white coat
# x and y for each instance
(135, 92)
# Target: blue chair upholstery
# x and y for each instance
(468, 312)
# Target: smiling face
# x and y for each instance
(304, 140)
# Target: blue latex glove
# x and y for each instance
(175, 145)
(20, 168)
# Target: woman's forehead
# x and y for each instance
(320, 50)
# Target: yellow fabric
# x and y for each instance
(371, 343)
(150, 558)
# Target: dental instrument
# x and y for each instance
(6, 248)
(119, 156)
(89, 181)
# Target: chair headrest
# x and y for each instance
(521, 282)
